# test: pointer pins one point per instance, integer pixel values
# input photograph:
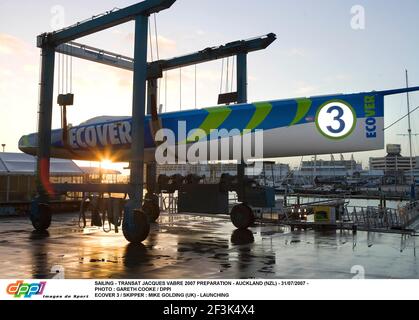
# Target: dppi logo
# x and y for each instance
(27, 290)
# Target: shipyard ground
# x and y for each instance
(189, 246)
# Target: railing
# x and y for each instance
(168, 202)
(411, 213)
(373, 217)
(382, 218)
(402, 219)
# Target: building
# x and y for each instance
(266, 170)
(393, 162)
(328, 168)
(17, 175)
(407, 174)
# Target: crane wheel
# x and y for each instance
(135, 226)
(40, 215)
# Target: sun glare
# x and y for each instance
(107, 164)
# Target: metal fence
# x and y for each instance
(382, 218)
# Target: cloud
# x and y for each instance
(11, 45)
(339, 77)
(296, 52)
(188, 74)
(31, 68)
(200, 32)
(97, 75)
(124, 78)
(5, 73)
(167, 47)
(306, 90)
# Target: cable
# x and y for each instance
(195, 88)
(227, 73)
(180, 88)
(165, 91)
(150, 40)
(104, 219)
(82, 213)
(58, 73)
(66, 73)
(232, 73)
(416, 142)
(158, 58)
(62, 73)
(158, 93)
(71, 69)
(401, 119)
(222, 72)
(157, 39)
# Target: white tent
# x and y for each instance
(18, 171)
(24, 164)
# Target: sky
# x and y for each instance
(317, 52)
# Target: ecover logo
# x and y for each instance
(336, 119)
(27, 290)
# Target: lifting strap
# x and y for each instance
(155, 122)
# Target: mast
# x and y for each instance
(412, 179)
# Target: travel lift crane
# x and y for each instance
(135, 224)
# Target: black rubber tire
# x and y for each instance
(41, 220)
(242, 216)
(139, 230)
(152, 211)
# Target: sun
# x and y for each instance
(110, 165)
(107, 164)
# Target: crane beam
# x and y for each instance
(214, 53)
(102, 22)
(156, 68)
(93, 54)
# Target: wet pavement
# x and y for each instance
(185, 246)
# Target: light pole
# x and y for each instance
(3, 145)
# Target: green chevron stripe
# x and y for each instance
(262, 111)
(215, 118)
(303, 106)
(26, 142)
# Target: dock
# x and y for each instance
(359, 196)
(403, 220)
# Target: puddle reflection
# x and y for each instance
(135, 256)
(242, 237)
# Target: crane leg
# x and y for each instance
(136, 226)
(40, 211)
(151, 200)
